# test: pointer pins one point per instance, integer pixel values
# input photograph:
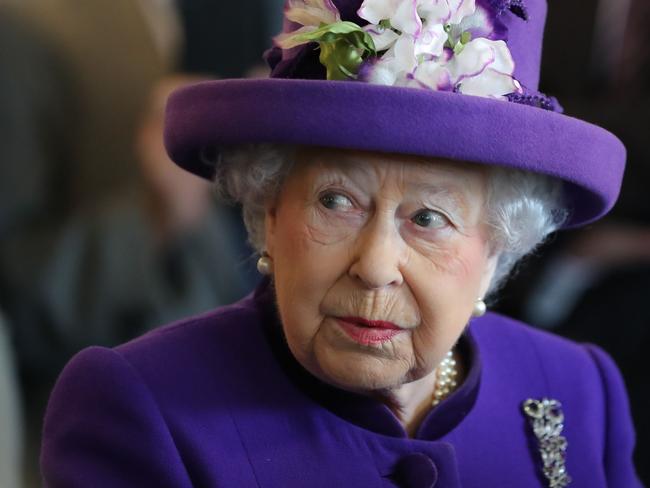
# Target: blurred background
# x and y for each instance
(103, 238)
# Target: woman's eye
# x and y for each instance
(430, 219)
(335, 201)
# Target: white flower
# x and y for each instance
(479, 24)
(401, 60)
(446, 11)
(406, 16)
(402, 14)
(431, 41)
(432, 75)
(444, 45)
(417, 25)
(414, 34)
(483, 68)
(394, 66)
(383, 37)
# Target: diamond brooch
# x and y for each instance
(547, 421)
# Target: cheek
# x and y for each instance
(307, 263)
(307, 255)
(445, 285)
(452, 269)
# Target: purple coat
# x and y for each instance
(218, 401)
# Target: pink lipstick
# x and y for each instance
(368, 332)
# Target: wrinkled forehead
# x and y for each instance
(411, 173)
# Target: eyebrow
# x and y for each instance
(452, 192)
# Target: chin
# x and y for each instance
(359, 372)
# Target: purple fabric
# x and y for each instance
(525, 42)
(209, 402)
(402, 120)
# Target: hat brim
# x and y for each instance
(356, 115)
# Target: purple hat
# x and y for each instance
(455, 79)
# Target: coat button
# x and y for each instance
(416, 470)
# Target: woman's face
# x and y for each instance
(377, 261)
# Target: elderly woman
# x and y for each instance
(393, 169)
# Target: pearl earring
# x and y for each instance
(265, 264)
(479, 308)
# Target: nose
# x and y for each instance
(379, 253)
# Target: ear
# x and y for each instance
(488, 274)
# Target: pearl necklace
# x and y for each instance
(446, 374)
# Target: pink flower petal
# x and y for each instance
(312, 12)
(286, 40)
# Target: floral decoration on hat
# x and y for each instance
(443, 45)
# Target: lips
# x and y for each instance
(368, 332)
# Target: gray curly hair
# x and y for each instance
(522, 208)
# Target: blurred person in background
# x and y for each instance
(11, 425)
(96, 246)
(68, 158)
(33, 140)
(594, 284)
